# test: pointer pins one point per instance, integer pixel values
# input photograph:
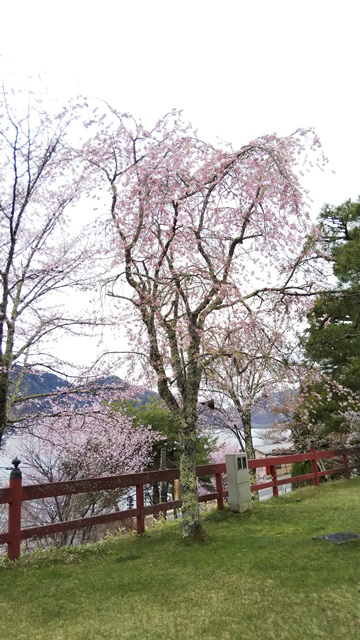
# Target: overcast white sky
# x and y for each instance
(239, 69)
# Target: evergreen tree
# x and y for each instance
(333, 339)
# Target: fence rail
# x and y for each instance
(17, 493)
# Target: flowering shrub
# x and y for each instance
(98, 442)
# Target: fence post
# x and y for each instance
(14, 522)
(314, 466)
(140, 518)
(219, 489)
(274, 479)
(346, 465)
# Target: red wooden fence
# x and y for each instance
(17, 493)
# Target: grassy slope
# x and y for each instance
(261, 575)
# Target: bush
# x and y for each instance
(300, 469)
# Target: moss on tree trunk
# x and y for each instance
(191, 523)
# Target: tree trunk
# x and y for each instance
(4, 387)
(156, 498)
(249, 447)
(191, 524)
(188, 483)
(185, 415)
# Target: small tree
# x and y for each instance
(41, 260)
(87, 444)
(156, 415)
(250, 365)
(316, 411)
(197, 229)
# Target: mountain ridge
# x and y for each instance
(44, 383)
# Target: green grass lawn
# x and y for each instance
(260, 575)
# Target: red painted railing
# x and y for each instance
(313, 456)
(17, 493)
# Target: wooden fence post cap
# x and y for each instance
(15, 472)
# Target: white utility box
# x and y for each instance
(238, 478)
